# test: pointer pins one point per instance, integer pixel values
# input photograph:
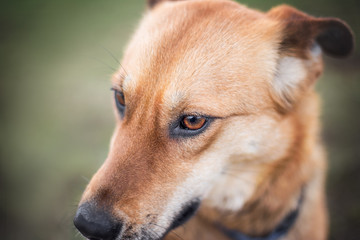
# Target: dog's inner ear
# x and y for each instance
(300, 31)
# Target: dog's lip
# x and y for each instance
(188, 210)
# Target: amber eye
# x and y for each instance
(120, 98)
(120, 101)
(193, 122)
(190, 125)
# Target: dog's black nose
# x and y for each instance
(96, 224)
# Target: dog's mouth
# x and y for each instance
(96, 225)
(188, 210)
(185, 214)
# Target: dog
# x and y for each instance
(217, 127)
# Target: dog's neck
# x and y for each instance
(266, 211)
(279, 231)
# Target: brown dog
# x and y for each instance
(216, 112)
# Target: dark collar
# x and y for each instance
(280, 230)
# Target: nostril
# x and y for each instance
(96, 224)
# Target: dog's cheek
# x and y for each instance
(245, 148)
(205, 171)
(255, 138)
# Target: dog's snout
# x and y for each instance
(95, 223)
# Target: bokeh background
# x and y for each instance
(56, 58)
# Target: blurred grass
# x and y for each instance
(56, 117)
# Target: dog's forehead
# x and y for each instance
(202, 51)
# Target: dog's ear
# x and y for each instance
(152, 3)
(302, 39)
(300, 31)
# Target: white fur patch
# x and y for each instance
(197, 184)
(233, 190)
(290, 72)
(316, 50)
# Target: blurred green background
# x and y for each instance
(56, 116)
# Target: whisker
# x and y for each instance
(86, 179)
(111, 54)
(117, 60)
(124, 69)
(154, 233)
(104, 63)
(184, 227)
(177, 235)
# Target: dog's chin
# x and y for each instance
(188, 210)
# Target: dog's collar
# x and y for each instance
(279, 231)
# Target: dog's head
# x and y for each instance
(205, 87)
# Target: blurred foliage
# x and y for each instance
(56, 117)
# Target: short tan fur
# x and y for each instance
(253, 73)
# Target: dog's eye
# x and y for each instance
(192, 122)
(120, 100)
(189, 126)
